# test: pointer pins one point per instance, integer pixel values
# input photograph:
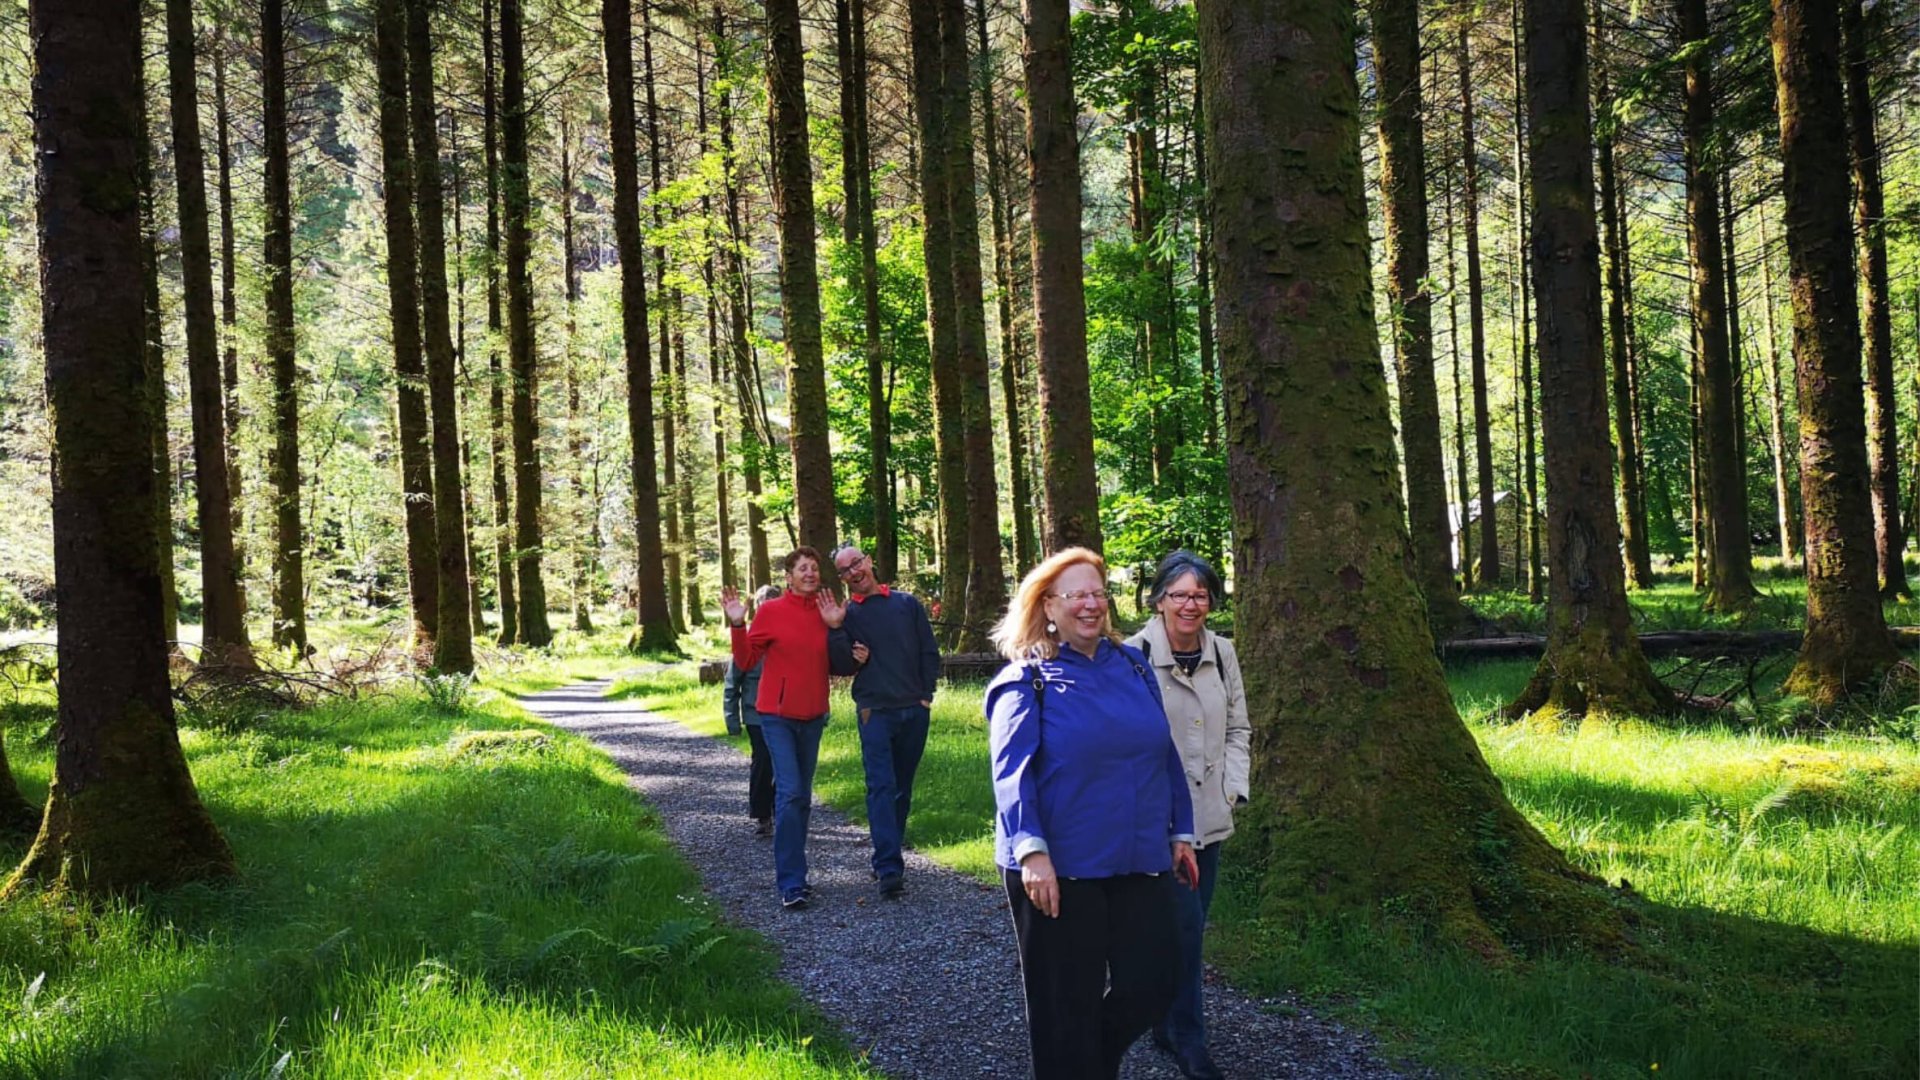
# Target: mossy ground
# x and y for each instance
(1771, 874)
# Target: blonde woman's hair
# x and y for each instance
(1022, 633)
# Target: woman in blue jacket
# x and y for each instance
(1094, 820)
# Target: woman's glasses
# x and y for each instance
(1182, 599)
(1077, 595)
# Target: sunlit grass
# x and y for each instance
(422, 894)
(1778, 924)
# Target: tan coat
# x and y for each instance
(1208, 717)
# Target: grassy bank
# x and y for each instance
(422, 894)
(1775, 876)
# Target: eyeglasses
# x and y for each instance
(1077, 595)
(848, 570)
(1182, 599)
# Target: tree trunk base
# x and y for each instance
(1587, 674)
(115, 838)
(1833, 667)
(653, 638)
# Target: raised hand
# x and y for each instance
(832, 611)
(732, 606)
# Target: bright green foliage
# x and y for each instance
(425, 894)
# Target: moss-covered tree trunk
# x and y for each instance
(517, 203)
(1488, 553)
(577, 552)
(1367, 785)
(1593, 662)
(1528, 415)
(655, 629)
(453, 642)
(1403, 181)
(122, 813)
(1463, 536)
(1784, 491)
(403, 310)
(1070, 491)
(153, 352)
(283, 458)
(1846, 644)
(672, 547)
(986, 576)
(937, 247)
(1005, 290)
(223, 627)
(1723, 485)
(1639, 557)
(799, 276)
(496, 375)
(716, 365)
(1869, 215)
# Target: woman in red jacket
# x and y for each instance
(788, 640)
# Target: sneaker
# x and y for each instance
(892, 886)
(794, 901)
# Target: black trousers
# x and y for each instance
(759, 776)
(1097, 977)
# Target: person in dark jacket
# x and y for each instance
(788, 640)
(737, 694)
(1094, 822)
(891, 641)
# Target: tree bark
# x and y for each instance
(753, 444)
(1722, 476)
(1783, 489)
(1025, 547)
(1593, 663)
(122, 812)
(716, 375)
(986, 580)
(655, 630)
(283, 460)
(799, 276)
(937, 250)
(1529, 475)
(518, 203)
(1846, 644)
(1403, 184)
(1870, 215)
(1361, 791)
(223, 630)
(403, 309)
(229, 317)
(453, 644)
(1490, 572)
(669, 432)
(1633, 521)
(496, 329)
(1071, 490)
(154, 355)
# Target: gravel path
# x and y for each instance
(929, 984)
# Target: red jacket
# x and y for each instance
(788, 634)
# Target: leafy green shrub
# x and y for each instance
(450, 692)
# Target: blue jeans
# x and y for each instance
(1185, 1025)
(794, 746)
(891, 743)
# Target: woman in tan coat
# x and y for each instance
(1199, 677)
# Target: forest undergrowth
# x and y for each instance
(424, 891)
(1770, 869)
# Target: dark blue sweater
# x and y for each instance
(903, 660)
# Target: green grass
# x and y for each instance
(1777, 916)
(421, 894)
(1672, 603)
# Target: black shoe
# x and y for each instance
(1198, 1065)
(794, 901)
(892, 886)
(763, 826)
(1164, 1044)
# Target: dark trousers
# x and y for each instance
(1099, 975)
(759, 776)
(1185, 1025)
(891, 744)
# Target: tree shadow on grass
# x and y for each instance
(409, 904)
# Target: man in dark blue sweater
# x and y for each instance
(889, 636)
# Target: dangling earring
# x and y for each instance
(1052, 629)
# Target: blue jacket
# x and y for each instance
(1091, 776)
(737, 693)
